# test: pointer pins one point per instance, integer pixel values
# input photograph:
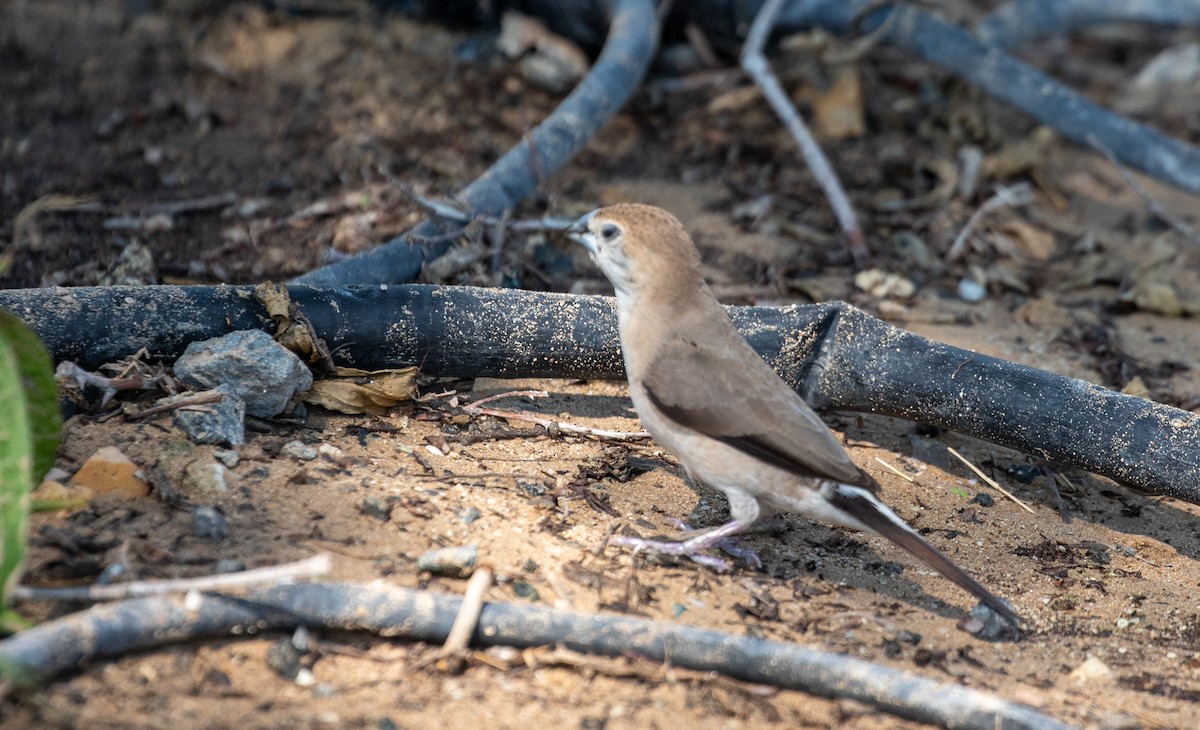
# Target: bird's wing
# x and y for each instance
(723, 389)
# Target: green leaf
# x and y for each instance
(41, 391)
(29, 431)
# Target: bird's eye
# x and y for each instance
(609, 231)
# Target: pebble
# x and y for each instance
(298, 450)
(456, 562)
(970, 290)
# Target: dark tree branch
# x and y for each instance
(62, 645)
(633, 35)
(1021, 21)
(835, 355)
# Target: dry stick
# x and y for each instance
(208, 396)
(509, 394)
(1005, 197)
(62, 645)
(312, 567)
(754, 63)
(1152, 205)
(467, 617)
(991, 482)
(896, 471)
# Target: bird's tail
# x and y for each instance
(864, 511)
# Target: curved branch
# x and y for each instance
(60, 646)
(833, 354)
(633, 35)
(1022, 21)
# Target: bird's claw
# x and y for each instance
(692, 549)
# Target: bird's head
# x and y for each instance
(640, 248)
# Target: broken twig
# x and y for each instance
(755, 64)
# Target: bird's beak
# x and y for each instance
(579, 233)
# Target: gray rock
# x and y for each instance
(298, 450)
(222, 423)
(263, 373)
(209, 521)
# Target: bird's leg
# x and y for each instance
(693, 547)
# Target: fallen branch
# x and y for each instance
(633, 35)
(62, 645)
(312, 567)
(754, 62)
(1021, 21)
(833, 354)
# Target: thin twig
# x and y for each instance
(1152, 205)
(467, 617)
(509, 394)
(1005, 197)
(199, 399)
(991, 482)
(896, 471)
(312, 567)
(754, 63)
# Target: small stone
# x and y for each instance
(263, 373)
(880, 284)
(209, 521)
(108, 471)
(228, 457)
(205, 477)
(456, 562)
(378, 507)
(222, 423)
(1091, 670)
(298, 450)
(983, 499)
(469, 515)
(970, 290)
(285, 659)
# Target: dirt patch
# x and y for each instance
(285, 136)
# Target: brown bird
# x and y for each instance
(706, 396)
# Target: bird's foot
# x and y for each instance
(692, 547)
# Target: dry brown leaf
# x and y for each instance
(736, 100)
(1152, 286)
(1137, 387)
(292, 328)
(838, 110)
(1019, 157)
(354, 391)
(1035, 242)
